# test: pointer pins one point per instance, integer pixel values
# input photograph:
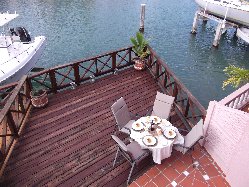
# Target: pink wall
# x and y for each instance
(227, 141)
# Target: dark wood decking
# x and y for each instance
(68, 143)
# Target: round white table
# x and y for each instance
(163, 148)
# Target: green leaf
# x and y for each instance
(236, 76)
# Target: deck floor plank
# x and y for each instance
(68, 142)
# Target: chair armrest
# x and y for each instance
(182, 146)
(149, 111)
(141, 156)
(179, 129)
(136, 115)
(127, 129)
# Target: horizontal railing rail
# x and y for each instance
(13, 115)
(237, 99)
(60, 77)
(188, 106)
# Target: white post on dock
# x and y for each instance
(195, 23)
(142, 17)
(218, 34)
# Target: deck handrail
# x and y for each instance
(238, 99)
(61, 76)
(187, 104)
(12, 117)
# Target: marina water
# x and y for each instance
(76, 29)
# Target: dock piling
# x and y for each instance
(221, 28)
(142, 17)
(195, 23)
(218, 33)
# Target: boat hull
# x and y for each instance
(235, 14)
(26, 64)
(243, 33)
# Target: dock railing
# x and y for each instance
(60, 77)
(237, 99)
(188, 106)
(17, 103)
(13, 117)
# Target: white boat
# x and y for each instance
(243, 33)
(236, 11)
(18, 52)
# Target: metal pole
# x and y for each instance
(142, 17)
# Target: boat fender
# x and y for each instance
(23, 34)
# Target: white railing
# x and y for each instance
(237, 99)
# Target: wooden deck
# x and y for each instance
(68, 143)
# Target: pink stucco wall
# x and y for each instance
(227, 141)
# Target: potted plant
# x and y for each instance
(141, 50)
(39, 97)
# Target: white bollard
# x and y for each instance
(142, 17)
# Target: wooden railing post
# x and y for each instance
(11, 124)
(130, 60)
(20, 103)
(157, 70)
(114, 59)
(175, 91)
(187, 108)
(96, 67)
(76, 73)
(53, 81)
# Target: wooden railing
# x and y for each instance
(12, 116)
(237, 99)
(63, 76)
(188, 106)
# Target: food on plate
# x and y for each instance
(159, 131)
(149, 140)
(171, 133)
(137, 125)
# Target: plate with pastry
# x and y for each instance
(149, 140)
(137, 126)
(155, 119)
(170, 134)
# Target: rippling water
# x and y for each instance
(81, 28)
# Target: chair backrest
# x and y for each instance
(193, 136)
(123, 147)
(162, 105)
(121, 112)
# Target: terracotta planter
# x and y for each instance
(39, 99)
(139, 64)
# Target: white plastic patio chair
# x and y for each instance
(132, 152)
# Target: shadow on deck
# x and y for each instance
(68, 143)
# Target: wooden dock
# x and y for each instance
(68, 142)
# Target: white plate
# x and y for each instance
(155, 119)
(137, 126)
(170, 133)
(149, 140)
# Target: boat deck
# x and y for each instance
(68, 143)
